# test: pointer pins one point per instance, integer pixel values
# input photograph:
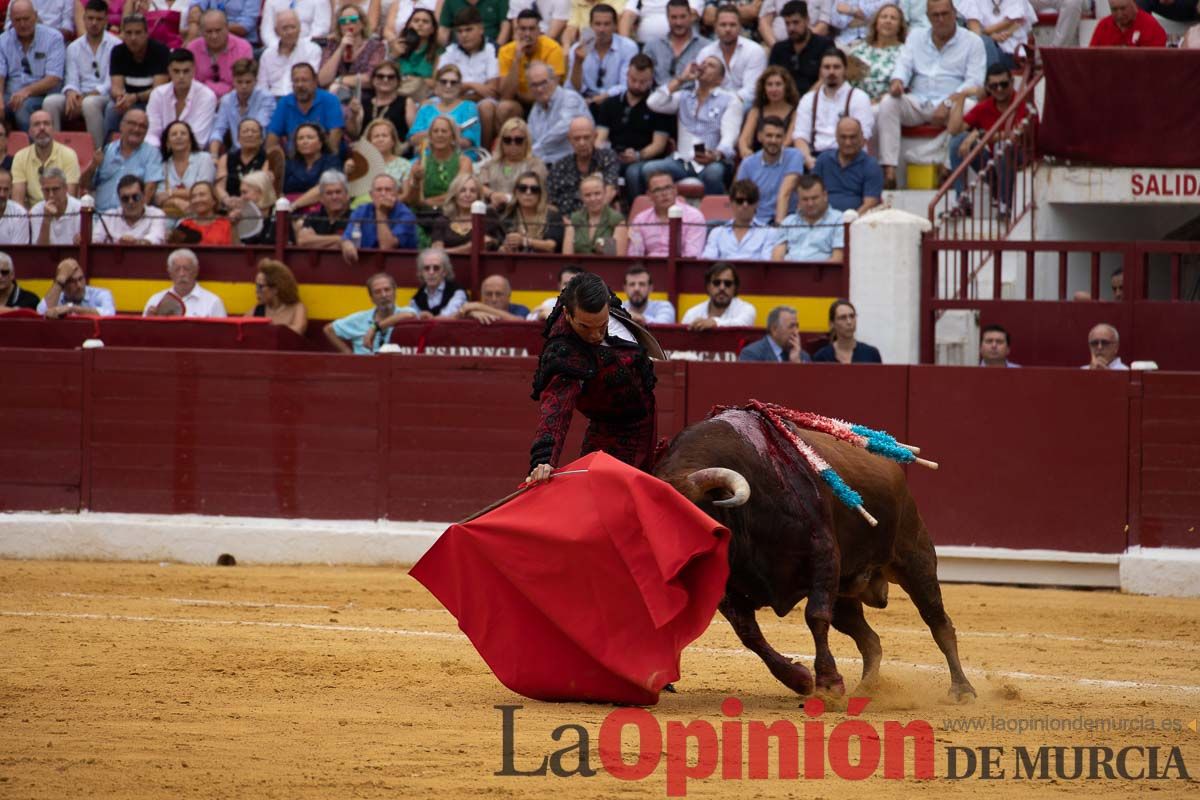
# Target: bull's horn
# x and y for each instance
(721, 478)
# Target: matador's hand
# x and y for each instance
(540, 473)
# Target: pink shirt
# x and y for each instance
(236, 48)
(650, 236)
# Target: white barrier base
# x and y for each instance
(195, 539)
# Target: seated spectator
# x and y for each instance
(800, 53)
(723, 308)
(325, 226)
(710, 120)
(816, 232)
(138, 66)
(680, 46)
(351, 52)
(596, 228)
(198, 101)
(817, 116)
(14, 220)
(879, 50)
(381, 134)
(246, 101)
(742, 238)
(306, 103)
(649, 230)
(56, 216)
(184, 163)
(1004, 25)
(315, 19)
(11, 295)
(937, 66)
(70, 296)
(311, 157)
(258, 190)
(58, 15)
(747, 14)
(743, 58)
(201, 220)
(553, 110)
(774, 96)
(183, 267)
(633, 132)
(128, 155)
(383, 223)
(638, 286)
(782, 342)
(597, 68)
(851, 175)
(1128, 26)
(478, 66)
(359, 333)
(1104, 342)
(438, 295)
(41, 154)
(32, 63)
(565, 274)
(388, 18)
(243, 16)
(275, 64)
(994, 347)
(565, 175)
(249, 156)
(774, 170)
(514, 159)
(452, 228)
(531, 224)
(278, 297)
(136, 222)
(217, 51)
(1191, 39)
(496, 295)
(850, 19)
(85, 90)
(381, 101)
(417, 48)
(843, 348)
(969, 128)
(514, 84)
(647, 17)
(555, 15)
(439, 162)
(448, 101)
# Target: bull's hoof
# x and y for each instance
(794, 676)
(962, 693)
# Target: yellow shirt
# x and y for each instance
(27, 168)
(547, 50)
(581, 11)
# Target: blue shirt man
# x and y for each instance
(129, 155)
(770, 167)
(363, 228)
(42, 54)
(816, 231)
(756, 243)
(852, 177)
(232, 109)
(306, 103)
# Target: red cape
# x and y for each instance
(587, 587)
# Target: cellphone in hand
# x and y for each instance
(699, 148)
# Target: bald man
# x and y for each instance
(851, 175)
(1104, 342)
(496, 294)
(564, 175)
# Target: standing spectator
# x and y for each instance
(306, 103)
(531, 224)
(382, 101)
(351, 52)
(85, 91)
(11, 295)
(968, 128)
(1104, 342)
(136, 222)
(41, 154)
(32, 63)
(527, 50)
(184, 163)
(632, 131)
(70, 296)
(742, 58)
(743, 238)
(275, 65)
(439, 295)
(129, 155)
(250, 155)
(199, 103)
(493, 13)
(782, 342)
(723, 308)
(937, 67)
(246, 101)
(774, 170)
(1004, 25)
(496, 295)
(597, 70)
(278, 297)
(453, 227)
(383, 223)
(800, 53)
(515, 158)
(843, 348)
(217, 52)
(819, 111)
(566, 174)
(449, 102)
(553, 109)
(775, 96)
(851, 175)
(315, 20)
(382, 136)
(710, 119)
(596, 228)
(202, 225)
(650, 232)
(478, 67)
(650, 21)
(418, 48)
(242, 16)
(312, 157)
(326, 226)
(994, 347)
(14, 220)
(1128, 26)
(816, 232)
(139, 65)
(638, 287)
(440, 162)
(880, 49)
(359, 333)
(680, 47)
(183, 268)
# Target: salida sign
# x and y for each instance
(1163, 185)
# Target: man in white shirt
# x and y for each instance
(476, 59)
(56, 217)
(817, 116)
(723, 308)
(183, 267)
(85, 91)
(315, 17)
(181, 98)
(14, 221)
(1103, 342)
(743, 58)
(70, 296)
(1004, 25)
(275, 66)
(135, 222)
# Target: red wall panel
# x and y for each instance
(1170, 460)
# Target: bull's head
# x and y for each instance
(735, 489)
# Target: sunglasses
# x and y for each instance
(725, 282)
(346, 20)
(1000, 85)
(513, 139)
(448, 82)
(96, 70)
(743, 201)
(6, 272)
(131, 198)
(526, 188)
(25, 65)
(1100, 342)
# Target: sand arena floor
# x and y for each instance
(147, 680)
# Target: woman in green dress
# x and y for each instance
(417, 50)
(438, 163)
(596, 228)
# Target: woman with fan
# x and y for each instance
(258, 191)
(184, 163)
(201, 225)
(381, 134)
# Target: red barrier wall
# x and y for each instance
(1167, 500)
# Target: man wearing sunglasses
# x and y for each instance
(135, 222)
(85, 92)
(70, 295)
(13, 296)
(1103, 343)
(32, 63)
(723, 308)
(742, 238)
(969, 128)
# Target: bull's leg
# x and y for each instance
(818, 612)
(792, 675)
(848, 618)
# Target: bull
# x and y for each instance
(792, 540)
